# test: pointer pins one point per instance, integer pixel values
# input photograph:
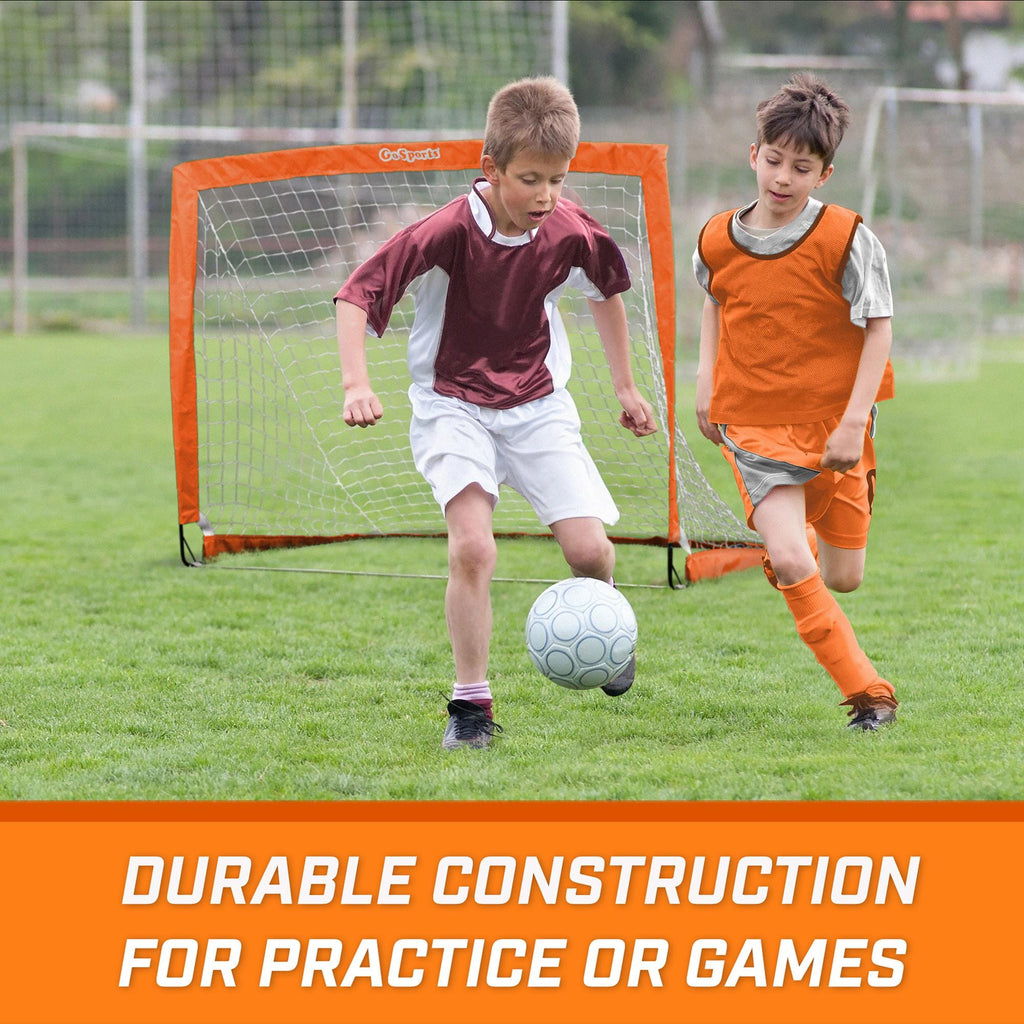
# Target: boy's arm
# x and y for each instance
(613, 329)
(846, 444)
(362, 406)
(710, 328)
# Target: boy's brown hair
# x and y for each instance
(532, 113)
(805, 113)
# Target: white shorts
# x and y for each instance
(535, 448)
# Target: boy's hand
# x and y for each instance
(362, 407)
(844, 448)
(637, 415)
(707, 428)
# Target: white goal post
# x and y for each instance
(950, 225)
(259, 245)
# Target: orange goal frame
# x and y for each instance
(644, 161)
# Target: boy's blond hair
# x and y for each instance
(532, 113)
(805, 113)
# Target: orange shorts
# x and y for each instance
(838, 504)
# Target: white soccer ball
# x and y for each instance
(581, 633)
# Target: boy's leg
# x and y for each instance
(766, 562)
(589, 552)
(780, 520)
(546, 461)
(472, 556)
(842, 520)
(455, 452)
(586, 547)
(841, 568)
(820, 622)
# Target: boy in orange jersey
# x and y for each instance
(794, 354)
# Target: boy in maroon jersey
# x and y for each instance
(489, 360)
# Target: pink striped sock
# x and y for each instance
(478, 693)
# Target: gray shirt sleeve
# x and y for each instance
(700, 271)
(866, 279)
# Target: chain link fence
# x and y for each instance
(100, 100)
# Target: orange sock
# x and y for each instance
(824, 627)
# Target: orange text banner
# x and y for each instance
(561, 912)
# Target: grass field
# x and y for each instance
(127, 676)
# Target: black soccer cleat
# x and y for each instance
(870, 711)
(469, 725)
(623, 681)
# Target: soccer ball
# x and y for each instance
(581, 633)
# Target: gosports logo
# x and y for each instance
(409, 155)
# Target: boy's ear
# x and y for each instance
(753, 156)
(825, 175)
(490, 169)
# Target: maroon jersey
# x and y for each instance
(487, 328)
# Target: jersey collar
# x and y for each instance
(484, 218)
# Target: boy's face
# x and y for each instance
(523, 195)
(786, 177)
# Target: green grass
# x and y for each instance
(125, 675)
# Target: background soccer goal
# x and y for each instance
(261, 242)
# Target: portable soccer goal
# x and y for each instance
(260, 243)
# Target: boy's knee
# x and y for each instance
(842, 569)
(787, 567)
(474, 553)
(594, 557)
(842, 581)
